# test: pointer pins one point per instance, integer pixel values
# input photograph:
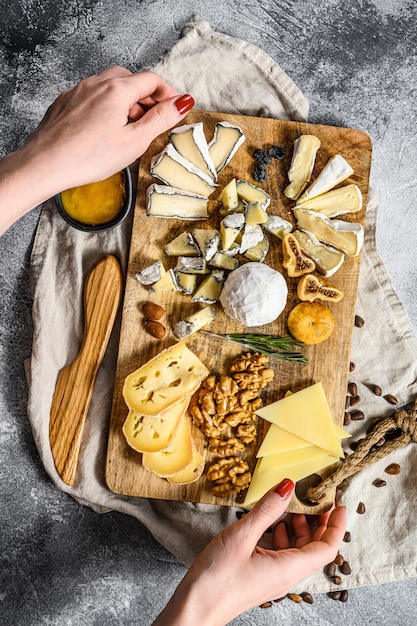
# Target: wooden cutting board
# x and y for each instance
(327, 362)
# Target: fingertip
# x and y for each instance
(184, 103)
(284, 488)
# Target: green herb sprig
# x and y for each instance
(271, 345)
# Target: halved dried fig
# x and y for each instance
(295, 261)
(312, 287)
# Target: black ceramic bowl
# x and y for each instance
(96, 228)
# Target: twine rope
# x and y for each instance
(367, 452)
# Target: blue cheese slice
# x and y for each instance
(151, 274)
(191, 324)
(278, 226)
(345, 236)
(346, 199)
(208, 241)
(336, 170)
(302, 164)
(183, 245)
(225, 143)
(190, 142)
(172, 169)
(327, 259)
(171, 202)
(210, 289)
(252, 193)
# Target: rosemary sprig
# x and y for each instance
(271, 345)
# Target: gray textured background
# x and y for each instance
(60, 563)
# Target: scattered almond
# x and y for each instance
(152, 311)
(155, 329)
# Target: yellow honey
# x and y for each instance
(95, 203)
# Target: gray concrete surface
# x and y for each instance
(356, 61)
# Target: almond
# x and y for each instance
(152, 311)
(155, 329)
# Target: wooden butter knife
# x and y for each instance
(75, 383)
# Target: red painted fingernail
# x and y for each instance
(284, 488)
(184, 103)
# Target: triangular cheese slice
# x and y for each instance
(306, 414)
(290, 458)
(279, 440)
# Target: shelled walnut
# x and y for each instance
(229, 476)
(225, 447)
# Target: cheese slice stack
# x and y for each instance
(301, 440)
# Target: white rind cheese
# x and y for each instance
(224, 261)
(251, 235)
(230, 227)
(208, 241)
(190, 142)
(259, 251)
(327, 259)
(251, 193)
(225, 143)
(187, 283)
(336, 170)
(345, 236)
(191, 265)
(229, 197)
(278, 226)
(193, 323)
(210, 289)
(166, 283)
(171, 202)
(346, 199)
(151, 274)
(302, 164)
(183, 245)
(172, 169)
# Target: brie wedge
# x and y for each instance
(251, 193)
(327, 259)
(164, 201)
(336, 170)
(278, 226)
(225, 143)
(171, 168)
(345, 236)
(302, 164)
(190, 142)
(346, 199)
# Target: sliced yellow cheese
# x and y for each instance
(174, 373)
(182, 245)
(302, 164)
(153, 434)
(175, 458)
(264, 481)
(346, 199)
(186, 282)
(290, 458)
(346, 236)
(167, 282)
(306, 414)
(279, 440)
(210, 289)
(193, 323)
(191, 473)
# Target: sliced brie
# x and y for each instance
(224, 261)
(278, 226)
(166, 283)
(346, 199)
(208, 241)
(345, 236)
(230, 227)
(193, 323)
(151, 274)
(251, 193)
(165, 201)
(327, 259)
(255, 214)
(302, 164)
(210, 289)
(187, 283)
(252, 234)
(170, 167)
(225, 143)
(259, 251)
(336, 170)
(190, 142)
(183, 245)
(191, 265)
(229, 197)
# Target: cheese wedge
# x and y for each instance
(208, 241)
(151, 274)
(264, 481)
(168, 202)
(175, 458)
(190, 142)
(172, 169)
(224, 262)
(153, 434)
(187, 283)
(210, 289)
(259, 251)
(193, 323)
(251, 236)
(278, 440)
(251, 193)
(278, 226)
(183, 245)
(327, 259)
(225, 143)
(336, 170)
(191, 473)
(174, 373)
(302, 164)
(230, 227)
(346, 199)
(165, 284)
(255, 214)
(306, 414)
(191, 265)
(229, 197)
(345, 236)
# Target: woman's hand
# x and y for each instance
(90, 132)
(233, 574)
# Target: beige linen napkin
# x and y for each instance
(211, 66)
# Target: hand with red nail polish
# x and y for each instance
(90, 132)
(233, 574)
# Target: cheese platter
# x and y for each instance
(163, 251)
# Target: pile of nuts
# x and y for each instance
(224, 412)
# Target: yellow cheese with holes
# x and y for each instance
(263, 481)
(174, 373)
(153, 434)
(191, 473)
(306, 414)
(175, 458)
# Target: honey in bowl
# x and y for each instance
(96, 203)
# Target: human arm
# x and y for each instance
(232, 574)
(90, 132)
